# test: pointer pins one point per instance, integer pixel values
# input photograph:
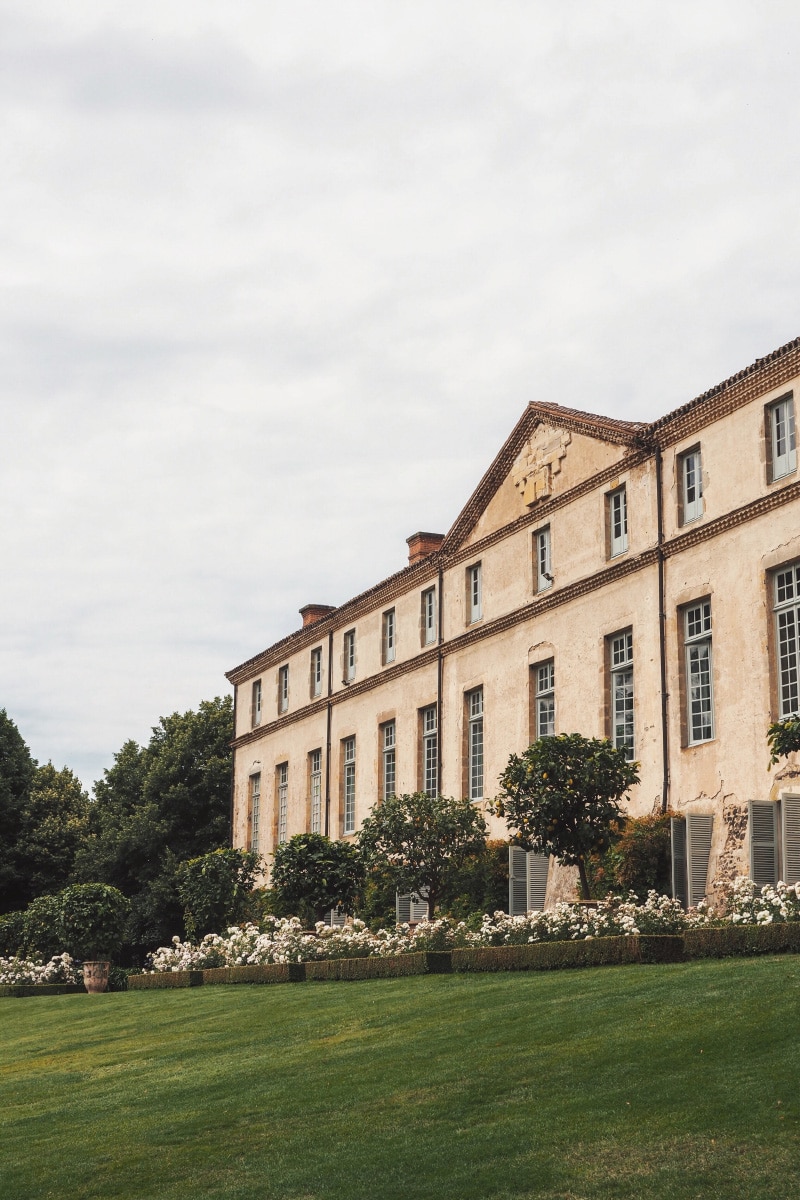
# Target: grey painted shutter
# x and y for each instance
(402, 907)
(538, 866)
(517, 881)
(677, 828)
(419, 905)
(698, 852)
(790, 838)
(763, 842)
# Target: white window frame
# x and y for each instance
(474, 593)
(618, 521)
(786, 606)
(349, 784)
(282, 779)
(545, 684)
(389, 636)
(316, 672)
(430, 750)
(544, 559)
(429, 616)
(350, 656)
(699, 672)
(254, 787)
(475, 743)
(256, 703)
(315, 790)
(621, 686)
(691, 485)
(283, 688)
(783, 450)
(388, 759)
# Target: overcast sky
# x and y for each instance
(279, 278)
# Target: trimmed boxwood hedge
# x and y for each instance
(165, 979)
(41, 989)
(729, 940)
(266, 973)
(368, 968)
(548, 956)
(553, 956)
(723, 942)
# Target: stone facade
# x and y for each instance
(622, 576)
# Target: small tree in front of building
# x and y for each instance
(422, 841)
(312, 874)
(562, 797)
(216, 890)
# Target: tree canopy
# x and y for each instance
(216, 890)
(422, 840)
(43, 817)
(562, 797)
(159, 805)
(312, 874)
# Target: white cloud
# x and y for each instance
(278, 280)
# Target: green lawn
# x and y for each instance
(667, 1082)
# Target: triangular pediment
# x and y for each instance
(550, 451)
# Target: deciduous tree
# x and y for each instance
(422, 840)
(562, 797)
(157, 806)
(312, 874)
(215, 890)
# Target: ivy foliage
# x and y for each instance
(422, 841)
(312, 874)
(562, 797)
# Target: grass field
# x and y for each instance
(666, 1082)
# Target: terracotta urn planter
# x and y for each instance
(95, 976)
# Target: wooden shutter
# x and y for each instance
(517, 881)
(790, 838)
(677, 828)
(538, 866)
(763, 823)
(411, 907)
(419, 905)
(698, 852)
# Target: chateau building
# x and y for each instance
(620, 579)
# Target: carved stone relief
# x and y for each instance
(539, 463)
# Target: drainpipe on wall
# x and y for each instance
(328, 738)
(662, 636)
(439, 677)
(233, 761)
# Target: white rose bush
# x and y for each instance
(284, 941)
(60, 969)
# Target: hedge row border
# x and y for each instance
(727, 941)
(42, 989)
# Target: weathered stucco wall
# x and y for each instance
(562, 478)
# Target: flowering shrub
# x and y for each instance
(750, 905)
(60, 969)
(284, 941)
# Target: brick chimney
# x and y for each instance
(420, 545)
(311, 613)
